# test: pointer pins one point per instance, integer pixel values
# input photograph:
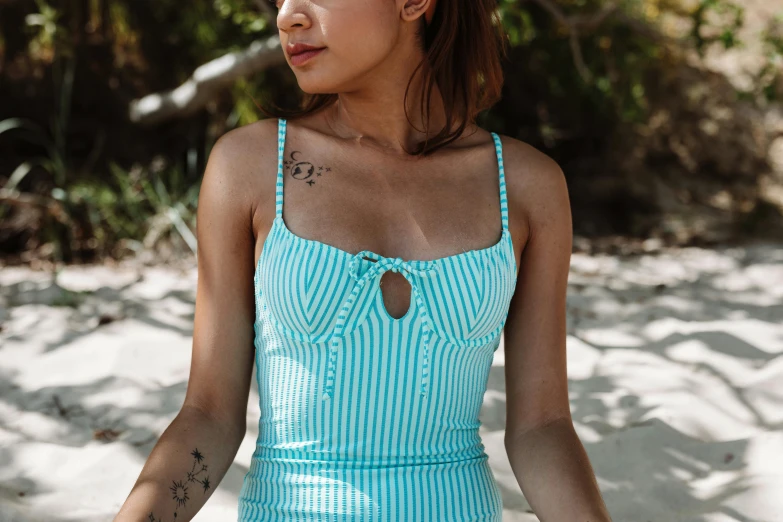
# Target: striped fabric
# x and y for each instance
(365, 417)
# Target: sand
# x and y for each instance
(675, 365)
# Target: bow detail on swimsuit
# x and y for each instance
(382, 264)
(410, 270)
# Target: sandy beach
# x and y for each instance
(675, 365)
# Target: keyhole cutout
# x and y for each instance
(395, 294)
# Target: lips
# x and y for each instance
(299, 53)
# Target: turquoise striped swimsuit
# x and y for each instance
(366, 417)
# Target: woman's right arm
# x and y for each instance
(195, 451)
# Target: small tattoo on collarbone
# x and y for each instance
(304, 170)
(179, 488)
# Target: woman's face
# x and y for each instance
(357, 36)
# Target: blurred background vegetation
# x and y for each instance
(664, 115)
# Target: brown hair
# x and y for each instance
(463, 44)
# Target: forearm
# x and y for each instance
(555, 475)
(183, 469)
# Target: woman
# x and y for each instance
(373, 305)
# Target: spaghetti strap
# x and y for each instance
(502, 176)
(281, 128)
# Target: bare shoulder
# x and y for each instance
(243, 162)
(536, 190)
(246, 150)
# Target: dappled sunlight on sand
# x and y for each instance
(675, 379)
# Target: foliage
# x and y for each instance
(617, 53)
(100, 213)
(730, 18)
(770, 77)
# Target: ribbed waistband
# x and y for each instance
(334, 461)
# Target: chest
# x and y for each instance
(421, 208)
(433, 233)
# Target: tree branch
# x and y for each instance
(207, 80)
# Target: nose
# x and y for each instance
(293, 14)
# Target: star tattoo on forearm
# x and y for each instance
(180, 488)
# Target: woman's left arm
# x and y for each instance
(546, 455)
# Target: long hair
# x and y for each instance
(463, 45)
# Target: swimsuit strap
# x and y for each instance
(281, 128)
(502, 176)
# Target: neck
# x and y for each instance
(374, 113)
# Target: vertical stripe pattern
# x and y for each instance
(366, 417)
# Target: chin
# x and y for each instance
(313, 83)
(313, 88)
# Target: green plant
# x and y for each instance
(136, 208)
(727, 19)
(769, 77)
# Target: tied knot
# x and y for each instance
(382, 264)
